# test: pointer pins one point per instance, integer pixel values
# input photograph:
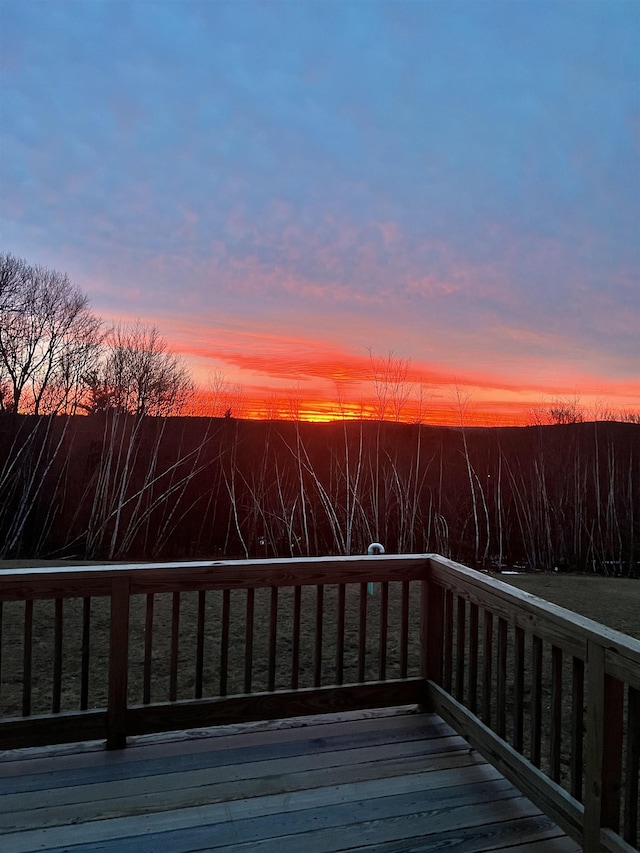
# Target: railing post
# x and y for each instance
(603, 766)
(433, 631)
(118, 663)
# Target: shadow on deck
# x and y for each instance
(393, 780)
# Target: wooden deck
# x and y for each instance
(376, 781)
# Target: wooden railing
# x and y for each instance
(550, 698)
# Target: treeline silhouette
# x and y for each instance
(116, 486)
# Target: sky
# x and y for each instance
(290, 190)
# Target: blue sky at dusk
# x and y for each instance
(280, 185)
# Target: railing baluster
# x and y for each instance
(612, 760)
(384, 629)
(536, 701)
(603, 761)
(487, 674)
(362, 632)
(460, 647)
(435, 631)
(518, 693)
(632, 768)
(175, 640)
(404, 630)
(248, 640)
(273, 637)
(340, 635)
(295, 642)
(57, 657)
(224, 641)
(472, 679)
(1, 613)
(200, 619)
(501, 710)
(555, 739)
(86, 653)
(118, 663)
(577, 727)
(317, 675)
(27, 657)
(148, 649)
(448, 640)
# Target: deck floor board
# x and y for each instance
(392, 783)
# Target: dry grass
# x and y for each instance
(614, 602)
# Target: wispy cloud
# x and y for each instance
(401, 176)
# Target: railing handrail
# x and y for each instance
(585, 629)
(228, 572)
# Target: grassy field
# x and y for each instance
(614, 602)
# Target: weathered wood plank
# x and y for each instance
(273, 639)
(168, 792)
(224, 641)
(472, 680)
(518, 691)
(535, 834)
(27, 649)
(547, 794)
(362, 632)
(393, 722)
(18, 733)
(404, 628)
(402, 781)
(148, 649)
(175, 644)
(384, 630)
(536, 700)
(487, 667)
(199, 662)
(149, 776)
(460, 647)
(118, 663)
(340, 635)
(248, 639)
(577, 728)
(612, 763)
(51, 757)
(1, 614)
(317, 664)
(337, 827)
(435, 632)
(501, 711)
(464, 839)
(556, 713)
(295, 641)
(447, 662)
(191, 713)
(85, 657)
(56, 692)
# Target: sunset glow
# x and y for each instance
(289, 191)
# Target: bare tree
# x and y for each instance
(12, 274)
(566, 411)
(391, 385)
(47, 331)
(226, 398)
(139, 375)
